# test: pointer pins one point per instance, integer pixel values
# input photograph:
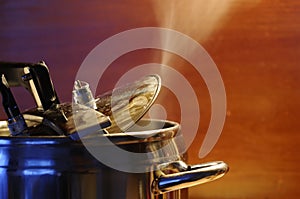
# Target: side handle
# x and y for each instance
(177, 175)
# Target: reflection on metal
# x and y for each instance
(127, 104)
(39, 142)
(51, 161)
(178, 175)
(39, 163)
(38, 172)
(58, 167)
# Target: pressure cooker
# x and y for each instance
(49, 151)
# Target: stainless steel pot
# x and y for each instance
(41, 155)
(58, 167)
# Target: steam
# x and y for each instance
(196, 18)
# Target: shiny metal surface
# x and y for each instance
(127, 104)
(124, 106)
(177, 175)
(59, 120)
(116, 112)
(57, 167)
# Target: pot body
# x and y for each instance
(76, 174)
(57, 167)
(35, 167)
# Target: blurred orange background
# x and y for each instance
(254, 43)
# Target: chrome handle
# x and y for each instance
(177, 175)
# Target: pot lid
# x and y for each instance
(126, 105)
(117, 110)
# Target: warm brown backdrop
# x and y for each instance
(256, 45)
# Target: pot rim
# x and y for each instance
(168, 131)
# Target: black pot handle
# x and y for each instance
(34, 77)
(177, 175)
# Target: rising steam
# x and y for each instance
(196, 18)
